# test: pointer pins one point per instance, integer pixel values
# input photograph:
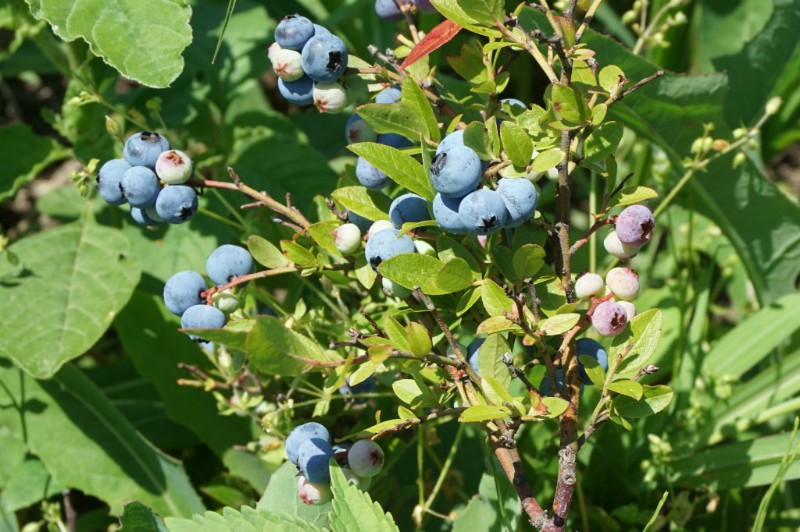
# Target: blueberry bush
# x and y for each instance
(403, 264)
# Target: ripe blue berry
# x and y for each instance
(140, 186)
(142, 216)
(389, 94)
(387, 10)
(473, 352)
(384, 245)
(294, 31)
(143, 149)
(363, 223)
(324, 58)
(394, 140)
(592, 348)
(182, 291)
(456, 172)
(356, 130)
(520, 198)
(513, 102)
(365, 458)
(483, 212)
(228, 261)
(202, 317)
(425, 6)
(445, 212)
(369, 176)
(300, 434)
(365, 386)
(408, 208)
(297, 92)
(635, 225)
(109, 178)
(456, 138)
(176, 203)
(609, 318)
(313, 458)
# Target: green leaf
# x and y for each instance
(490, 359)
(32, 154)
(28, 483)
(246, 519)
(528, 260)
(452, 10)
(476, 136)
(602, 142)
(354, 510)
(413, 393)
(610, 76)
(110, 28)
(367, 203)
(654, 399)
(397, 334)
(136, 517)
(448, 249)
(752, 340)
(392, 118)
(629, 388)
(516, 143)
(547, 160)
(632, 195)
(487, 12)
(414, 269)
(483, 413)
(63, 294)
(593, 369)
(644, 332)
(568, 104)
(280, 497)
(555, 406)
(266, 253)
(558, 324)
(454, 276)
(418, 339)
(400, 167)
(117, 464)
(297, 254)
(497, 324)
(415, 100)
(275, 349)
(494, 299)
(322, 233)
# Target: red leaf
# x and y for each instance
(436, 38)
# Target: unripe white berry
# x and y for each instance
(617, 249)
(287, 64)
(174, 167)
(394, 289)
(272, 51)
(365, 458)
(330, 97)
(311, 493)
(347, 238)
(630, 309)
(588, 284)
(424, 248)
(379, 226)
(226, 301)
(623, 282)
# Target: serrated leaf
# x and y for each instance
(415, 100)
(516, 143)
(392, 118)
(547, 160)
(414, 269)
(64, 292)
(266, 253)
(602, 142)
(654, 399)
(400, 167)
(138, 517)
(631, 195)
(281, 498)
(353, 509)
(527, 261)
(364, 202)
(558, 324)
(644, 331)
(478, 413)
(629, 388)
(275, 349)
(111, 28)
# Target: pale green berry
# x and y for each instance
(424, 248)
(330, 97)
(227, 301)
(288, 64)
(347, 238)
(394, 289)
(174, 167)
(588, 284)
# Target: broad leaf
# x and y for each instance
(654, 400)
(266, 253)
(364, 202)
(275, 349)
(353, 509)
(483, 413)
(400, 167)
(32, 154)
(414, 269)
(281, 496)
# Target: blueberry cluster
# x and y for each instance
(308, 60)
(150, 177)
(392, 10)
(309, 447)
(184, 292)
(461, 207)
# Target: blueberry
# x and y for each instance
(174, 167)
(520, 198)
(321, 30)
(635, 225)
(369, 176)
(287, 64)
(313, 458)
(300, 434)
(228, 261)
(456, 172)
(592, 348)
(589, 284)
(140, 186)
(408, 208)
(330, 97)
(109, 178)
(547, 391)
(473, 352)
(176, 203)
(630, 309)
(385, 244)
(623, 282)
(609, 318)
(143, 149)
(324, 58)
(483, 212)
(365, 458)
(356, 130)
(425, 6)
(362, 223)
(142, 217)
(202, 317)
(182, 291)
(294, 31)
(377, 227)
(395, 140)
(445, 212)
(387, 10)
(389, 94)
(513, 102)
(456, 138)
(297, 92)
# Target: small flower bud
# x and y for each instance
(773, 105)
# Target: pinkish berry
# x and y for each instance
(609, 318)
(365, 458)
(635, 225)
(311, 493)
(623, 282)
(630, 309)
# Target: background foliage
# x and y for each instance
(89, 357)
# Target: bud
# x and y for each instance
(773, 105)
(226, 301)
(697, 145)
(740, 132)
(112, 126)
(720, 144)
(708, 143)
(739, 159)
